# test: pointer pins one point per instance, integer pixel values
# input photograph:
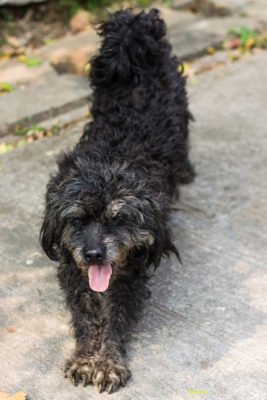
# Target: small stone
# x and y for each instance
(221, 390)
(205, 364)
(13, 41)
(76, 61)
(72, 60)
(80, 21)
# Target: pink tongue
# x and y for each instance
(99, 277)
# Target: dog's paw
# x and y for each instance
(109, 375)
(79, 370)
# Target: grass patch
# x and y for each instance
(242, 33)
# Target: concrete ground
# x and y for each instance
(204, 329)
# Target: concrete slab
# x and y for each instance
(210, 8)
(204, 328)
(16, 72)
(69, 42)
(252, 8)
(55, 96)
(194, 39)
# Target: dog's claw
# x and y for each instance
(84, 380)
(72, 379)
(113, 386)
(105, 374)
(78, 371)
(109, 376)
(100, 388)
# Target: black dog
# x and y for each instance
(107, 206)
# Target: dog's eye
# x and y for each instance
(86, 220)
(79, 221)
(76, 222)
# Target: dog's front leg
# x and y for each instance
(120, 309)
(99, 328)
(87, 332)
(110, 370)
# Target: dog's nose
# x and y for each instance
(94, 255)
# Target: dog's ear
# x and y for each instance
(162, 245)
(50, 232)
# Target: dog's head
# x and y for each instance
(105, 218)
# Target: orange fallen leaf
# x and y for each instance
(18, 396)
(249, 43)
(4, 396)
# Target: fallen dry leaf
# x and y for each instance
(209, 67)
(4, 147)
(210, 50)
(249, 43)
(19, 396)
(4, 396)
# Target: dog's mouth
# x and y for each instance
(99, 276)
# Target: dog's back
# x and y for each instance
(139, 108)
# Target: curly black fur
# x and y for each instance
(108, 203)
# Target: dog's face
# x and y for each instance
(102, 217)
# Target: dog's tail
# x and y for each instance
(133, 47)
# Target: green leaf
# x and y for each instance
(32, 62)
(37, 128)
(242, 32)
(24, 131)
(6, 87)
(48, 41)
(21, 132)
